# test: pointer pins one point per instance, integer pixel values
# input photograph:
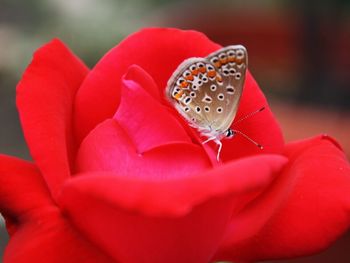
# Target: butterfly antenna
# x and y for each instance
(249, 115)
(249, 139)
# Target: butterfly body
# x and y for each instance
(206, 91)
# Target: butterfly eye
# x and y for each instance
(193, 94)
(193, 67)
(213, 87)
(198, 109)
(225, 72)
(229, 133)
(206, 109)
(186, 109)
(200, 65)
(238, 76)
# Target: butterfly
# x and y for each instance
(207, 91)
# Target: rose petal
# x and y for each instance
(50, 238)
(177, 196)
(19, 192)
(178, 220)
(303, 212)
(37, 229)
(262, 127)
(144, 140)
(109, 148)
(158, 51)
(144, 119)
(140, 76)
(45, 98)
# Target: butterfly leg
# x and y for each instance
(209, 139)
(218, 142)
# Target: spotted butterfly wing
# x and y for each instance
(231, 63)
(206, 91)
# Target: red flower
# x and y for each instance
(117, 175)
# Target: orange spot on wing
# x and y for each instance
(195, 72)
(223, 61)
(202, 69)
(179, 95)
(184, 84)
(231, 59)
(189, 77)
(211, 73)
(217, 64)
(239, 61)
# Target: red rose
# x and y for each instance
(118, 176)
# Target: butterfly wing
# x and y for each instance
(186, 90)
(206, 91)
(231, 62)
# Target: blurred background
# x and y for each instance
(299, 54)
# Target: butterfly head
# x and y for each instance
(229, 133)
